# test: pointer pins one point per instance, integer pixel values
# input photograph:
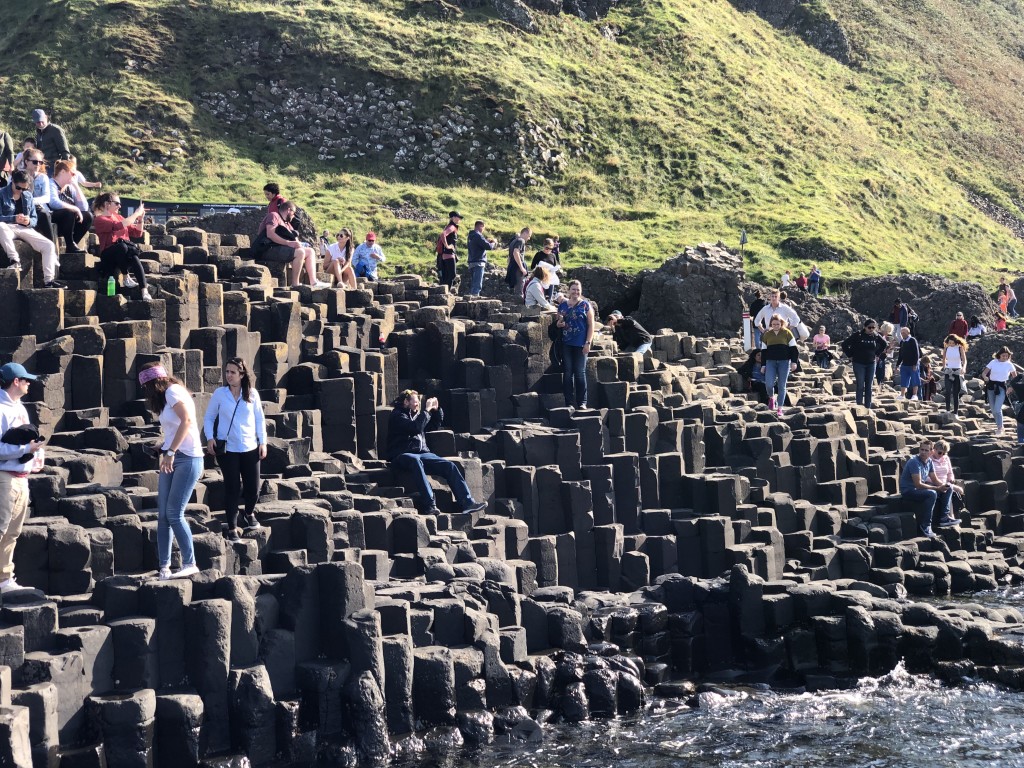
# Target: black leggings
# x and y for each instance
(446, 268)
(43, 222)
(69, 227)
(951, 385)
(241, 472)
(122, 256)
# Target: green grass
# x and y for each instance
(697, 122)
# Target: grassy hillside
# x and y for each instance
(695, 121)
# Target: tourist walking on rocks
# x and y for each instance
(920, 486)
(1003, 299)
(997, 375)
(814, 280)
(407, 450)
(286, 248)
(181, 465)
(863, 348)
(899, 316)
(929, 386)
(776, 306)
(1011, 301)
(1016, 392)
(535, 294)
(958, 327)
(576, 320)
(786, 282)
(909, 358)
(18, 222)
(516, 272)
(118, 254)
(943, 469)
(975, 330)
(547, 258)
(338, 259)
(886, 332)
(779, 355)
(822, 344)
(236, 432)
(954, 366)
(18, 457)
(446, 256)
(757, 303)
(477, 247)
(367, 256)
(629, 335)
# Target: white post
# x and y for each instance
(748, 342)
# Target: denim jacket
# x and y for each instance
(8, 207)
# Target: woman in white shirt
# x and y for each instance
(234, 418)
(181, 465)
(338, 259)
(535, 293)
(999, 371)
(954, 363)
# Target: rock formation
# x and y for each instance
(673, 531)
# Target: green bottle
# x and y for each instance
(111, 286)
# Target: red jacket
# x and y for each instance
(958, 327)
(111, 229)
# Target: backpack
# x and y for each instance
(912, 316)
(440, 245)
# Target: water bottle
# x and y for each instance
(111, 286)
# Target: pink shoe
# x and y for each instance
(771, 403)
(779, 410)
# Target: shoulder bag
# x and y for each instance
(221, 446)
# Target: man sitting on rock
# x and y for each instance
(629, 335)
(920, 486)
(407, 450)
(367, 256)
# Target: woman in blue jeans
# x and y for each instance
(576, 320)
(181, 464)
(864, 348)
(779, 355)
(997, 375)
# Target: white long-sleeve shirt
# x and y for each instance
(249, 429)
(12, 414)
(784, 311)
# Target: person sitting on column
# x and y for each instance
(72, 222)
(407, 450)
(629, 335)
(338, 259)
(920, 486)
(35, 167)
(286, 248)
(18, 221)
(14, 466)
(367, 256)
(118, 254)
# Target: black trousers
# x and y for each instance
(70, 228)
(446, 268)
(121, 257)
(241, 473)
(44, 223)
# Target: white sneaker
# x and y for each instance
(165, 573)
(145, 295)
(9, 584)
(899, 397)
(915, 397)
(129, 282)
(320, 284)
(188, 570)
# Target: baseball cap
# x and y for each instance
(371, 235)
(37, 115)
(616, 314)
(11, 371)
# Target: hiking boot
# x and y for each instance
(231, 534)
(432, 511)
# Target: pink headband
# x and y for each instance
(156, 372)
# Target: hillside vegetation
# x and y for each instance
(669, 122)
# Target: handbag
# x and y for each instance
(802, 331)
(221, 446)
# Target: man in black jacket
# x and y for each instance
(863, 349)
(909, 358)
(629, 334)
(407, 450)
(50, 140)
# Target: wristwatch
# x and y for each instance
(169, 454)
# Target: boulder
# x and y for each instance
(516, 13)
(609, 288)
(697, 291)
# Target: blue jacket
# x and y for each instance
(477, 247)
(8, 207)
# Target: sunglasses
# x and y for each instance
(22, 189)
(116, 202)
(36, 162)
